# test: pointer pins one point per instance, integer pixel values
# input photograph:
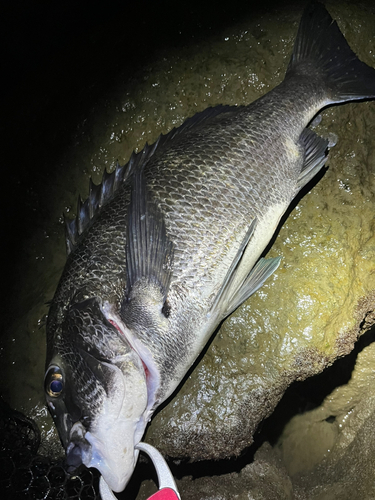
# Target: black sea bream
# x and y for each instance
(168, 245)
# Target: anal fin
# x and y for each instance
(315, 156)
(233, 291)
(255, 279)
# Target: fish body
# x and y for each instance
(168, 245)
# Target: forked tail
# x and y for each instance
(321, 48)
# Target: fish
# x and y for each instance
(170, 244)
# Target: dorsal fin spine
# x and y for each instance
(69, 234)
(92, 198)
(79, 215)
(100, 194)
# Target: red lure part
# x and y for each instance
(164, 494)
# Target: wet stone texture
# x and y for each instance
(329, 451)
(308, 314)
(265, 478)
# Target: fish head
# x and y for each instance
(96, 391)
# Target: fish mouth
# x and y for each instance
(108, 444)
(114, 454)
(116, 465)
(78, 449)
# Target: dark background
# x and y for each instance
(57, 59)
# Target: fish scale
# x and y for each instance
(243, 194)
(170, 244)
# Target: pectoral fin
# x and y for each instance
(149, 251)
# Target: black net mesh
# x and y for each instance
(25, 474)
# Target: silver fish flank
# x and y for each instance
(169, 245)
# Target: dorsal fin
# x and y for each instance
(149, 251)
(100, 194)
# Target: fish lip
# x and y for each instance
(116, 477)
(73, 457)
(78, 450)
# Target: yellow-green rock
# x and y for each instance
(309, 313)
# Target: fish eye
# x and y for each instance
(54, 382)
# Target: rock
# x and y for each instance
(343, 465)
(308, 314)
(264, 479)
(323, 454)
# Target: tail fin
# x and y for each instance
(321, 47)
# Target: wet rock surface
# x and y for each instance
(340, 431)
(308, 314)
(264, 478)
